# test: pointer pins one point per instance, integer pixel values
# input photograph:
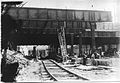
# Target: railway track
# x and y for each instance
(45, 75)
(54, 72)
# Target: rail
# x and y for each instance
(69, 71)
(49, 72)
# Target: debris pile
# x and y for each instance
(12, 57)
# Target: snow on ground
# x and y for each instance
(99, 73)
(31, 73)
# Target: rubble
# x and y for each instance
(13, 56)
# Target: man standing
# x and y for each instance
(84, 58)
(76, 59)
(34, 53)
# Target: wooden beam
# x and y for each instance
(57, 20)
(93, 26)
(72, 43)
(80, 44)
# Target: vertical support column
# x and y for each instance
(51, 51)
(65, 26)
(117, 46)
(80, 39)
(93, 26)
(80, 44)
(72, 42)
(109, 46)
(103, 47)
(56, 49)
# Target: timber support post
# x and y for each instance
(80, 44)
(72, 43)
(93, 26)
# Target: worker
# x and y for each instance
(93, 58)
(76, 59)
(84, 58)
(34, 53)
(102, 54)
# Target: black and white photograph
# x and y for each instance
(60, 41)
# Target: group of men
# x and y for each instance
(85, 56)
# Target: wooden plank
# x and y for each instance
(42, 14)
(13, 13)
(75, 25)
(32, 24)
(54, 25)
(25, 24)
(79, 15)
(92, 16)
(52, 14)
(33, 13)
(109, 16)
(97, 16)
(104, 16)
(70, 15)
(61, 15)
(69, 24)
(86, 16)
(23, 13)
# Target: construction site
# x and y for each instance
(47, 44)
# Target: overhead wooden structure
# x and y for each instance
(60, 14)
(39, 24)
(47, 19)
